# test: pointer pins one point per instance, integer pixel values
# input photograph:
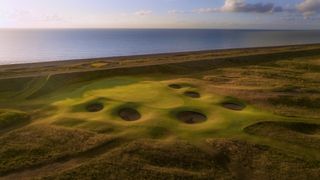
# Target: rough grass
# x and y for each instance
(221, 159)
(36, 145)
(12, 118)
(66, 141)
(303, 134)
(302, 101)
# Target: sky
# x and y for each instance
(226, 14)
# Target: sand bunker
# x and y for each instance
(191, 117)
(233, 106)
(129, 114)
(175, 86)
(94, 107)
(192, 94)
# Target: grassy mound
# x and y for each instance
(12, 118)
(221, 159)
(305, 102)
(303, 134)
(45, 144)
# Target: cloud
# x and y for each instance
(242, 6)
(199, 11)
(309, 7)
(17, 14)
(30, 16)
(52, 18)
(174, 12)
(143, 13)
(206, 10)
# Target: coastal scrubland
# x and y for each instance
(229, 114)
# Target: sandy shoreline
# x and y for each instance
(83, 65)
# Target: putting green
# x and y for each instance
(159, 106)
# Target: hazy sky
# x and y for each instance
(261, 14)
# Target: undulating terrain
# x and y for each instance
(234, 114)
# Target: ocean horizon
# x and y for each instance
(43, 45)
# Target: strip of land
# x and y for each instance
(200, 57)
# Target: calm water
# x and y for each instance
(23, 46)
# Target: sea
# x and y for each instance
(35, 45)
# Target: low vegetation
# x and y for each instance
(11, 118)
(235, 114)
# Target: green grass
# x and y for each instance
(46, 131)
(158, 105)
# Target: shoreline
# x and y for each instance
(161, 54)
(84, 65)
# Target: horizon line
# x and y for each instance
(146, 28)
